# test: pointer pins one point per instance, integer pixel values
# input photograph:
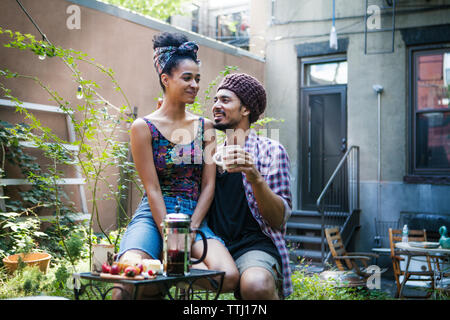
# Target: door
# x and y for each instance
(324, 139)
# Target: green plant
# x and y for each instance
(20, 225)
(97, 127)
(309, 286)
(159, 9)
(26, 281)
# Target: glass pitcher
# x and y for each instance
(176, 244)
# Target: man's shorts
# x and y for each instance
(258, 258)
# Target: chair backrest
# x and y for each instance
(395, 235)
(337, 247)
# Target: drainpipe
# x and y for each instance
(333, 34)
(272, 13)
(379, 90)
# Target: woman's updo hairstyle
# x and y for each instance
(169, 39)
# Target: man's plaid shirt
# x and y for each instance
(272, 161)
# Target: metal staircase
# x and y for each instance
(337, 206)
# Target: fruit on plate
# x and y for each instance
(115, 269)
(106, 268)
(131, 271)
(122, 266)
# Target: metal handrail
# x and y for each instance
(327, 186)
(320, 199)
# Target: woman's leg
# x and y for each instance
(140, 241)
(217, 258)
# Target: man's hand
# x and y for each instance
(238, 160)
(270, 205)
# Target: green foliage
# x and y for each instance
(309, 286)
(97, 127)
(28, 281)
(159, 9)
(62, 274)
(20, 226)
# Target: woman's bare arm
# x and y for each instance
(141, 149)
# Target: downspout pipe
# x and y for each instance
(379, 90)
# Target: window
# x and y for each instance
(195, 18)
(430, 112)
(233, 28)
(326, 73)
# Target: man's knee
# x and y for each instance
(257, 284)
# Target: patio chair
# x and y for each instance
(348, 261)
(395, 235)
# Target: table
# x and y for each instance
(381, 252)
(164, 283)
(412, 251)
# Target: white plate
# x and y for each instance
(424, 244)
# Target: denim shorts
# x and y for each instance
(143, 234)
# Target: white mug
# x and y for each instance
(222, 151)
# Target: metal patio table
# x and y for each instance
(164, 283)
(413, 251)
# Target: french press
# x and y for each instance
(176, 243)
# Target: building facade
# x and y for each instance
(225, 21)
(384, 88)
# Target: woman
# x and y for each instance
(166, 146)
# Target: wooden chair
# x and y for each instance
(395, 235)
(346, 261)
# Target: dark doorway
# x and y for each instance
(323, 138)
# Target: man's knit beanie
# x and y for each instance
(249, 90)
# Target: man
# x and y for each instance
(252, 198)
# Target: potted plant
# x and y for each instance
(41, 259)
(27, 256)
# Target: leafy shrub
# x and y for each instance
(311, 287)
(27, 281)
